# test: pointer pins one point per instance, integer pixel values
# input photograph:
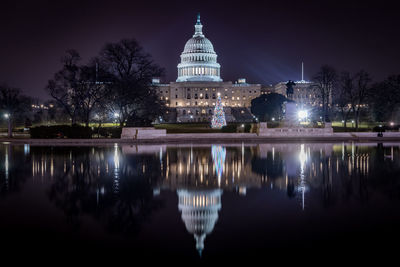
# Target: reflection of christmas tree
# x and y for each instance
(218, 119)
(218, 154)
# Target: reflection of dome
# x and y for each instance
(198, 59)
(199, 212)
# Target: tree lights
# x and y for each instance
(218, 119)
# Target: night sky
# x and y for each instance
(263, 42)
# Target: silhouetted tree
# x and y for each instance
(64, 84)
(268, 106)
(324, 82)
(92, 91)
(133, 98)
(384, 99)
(362, 89)
(344, 95)
(13, 104)
(78, 88)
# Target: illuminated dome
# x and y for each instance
(199, 212)
(198, 59)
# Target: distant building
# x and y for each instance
(192, 97)
(302, 93)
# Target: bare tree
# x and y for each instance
(324, 82)
(133, 97)
(64, 84)
(91, 92)
(362, 86)
(13, 103)
(78, 88)
(344, 95)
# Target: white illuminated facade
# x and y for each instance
(198, 59)
(193, 96)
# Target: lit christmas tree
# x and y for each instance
(218, 119)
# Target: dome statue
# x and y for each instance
(198, 59)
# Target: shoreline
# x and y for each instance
(211, 138)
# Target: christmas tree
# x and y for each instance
(218, 119)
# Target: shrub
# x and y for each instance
(378, 129)
(230, 128)
(112, 132)
(61, 131)
(247, 128)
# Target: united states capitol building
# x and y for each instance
(193, 96)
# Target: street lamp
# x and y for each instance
(352, 124)
(302, 114)
(8, 117)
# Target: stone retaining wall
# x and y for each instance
(263, 130)
(142, 133)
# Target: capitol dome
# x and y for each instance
(198, 59)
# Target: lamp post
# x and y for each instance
(8, 117)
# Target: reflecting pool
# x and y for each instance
(199, 202)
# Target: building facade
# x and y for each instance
(303, 94)
(193, 96)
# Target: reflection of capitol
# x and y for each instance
(200, 207)
(199, 212)
(312, 173)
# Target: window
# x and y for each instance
(176, 96)
(188, 96)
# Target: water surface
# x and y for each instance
(199, 202)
